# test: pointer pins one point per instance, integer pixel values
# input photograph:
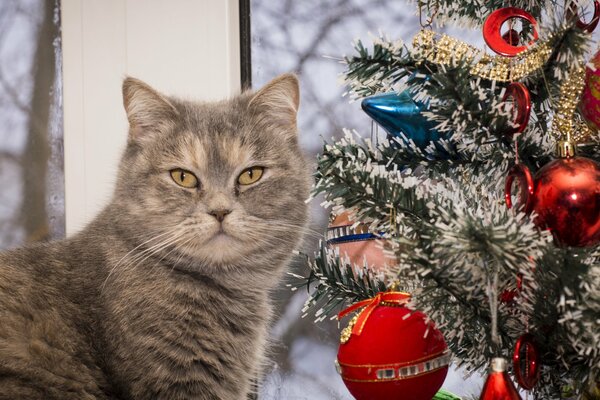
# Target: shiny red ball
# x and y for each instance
(566, 199)
(398, 355)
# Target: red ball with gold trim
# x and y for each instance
(392, 352)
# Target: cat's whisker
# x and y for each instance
(144, 254)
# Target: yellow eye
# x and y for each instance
(184, 178)
(250, 175)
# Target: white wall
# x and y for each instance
(188, 48)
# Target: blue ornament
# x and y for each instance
(399, 113)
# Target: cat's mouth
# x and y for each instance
(221, 235)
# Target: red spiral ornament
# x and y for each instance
(492, 28)
(519, 94)
(589, 27)
(526, 365)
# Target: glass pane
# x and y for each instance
(310, 37)
(31, 155)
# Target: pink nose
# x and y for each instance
(220, 214)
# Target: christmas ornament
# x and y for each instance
(498, 385)
(588, 27)
(355, 242)
(400, 114)
(448, 51)
(391, 352)
(492, 30)
(590, 98)
(519, 95)
(526, 366)
(565, 197)
(565, 193)
(511, 37)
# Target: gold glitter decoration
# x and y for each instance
(446, 50)
(347, 331)
(564, 126)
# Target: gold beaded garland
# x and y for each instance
(564, 123)
(446, 50)
(347, 331)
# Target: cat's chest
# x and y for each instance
(175, 336)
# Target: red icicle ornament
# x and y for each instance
(498, 385)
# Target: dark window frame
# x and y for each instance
(245, 45)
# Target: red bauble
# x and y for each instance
(397, 355)
(566, 198)
(498, 385)
(357, 244)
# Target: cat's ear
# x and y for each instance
(146, 109)
(280, 99)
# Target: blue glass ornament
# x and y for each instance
(399, 113)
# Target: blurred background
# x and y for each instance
(31, 158)
(309, 37)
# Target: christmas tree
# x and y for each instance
(478, 216)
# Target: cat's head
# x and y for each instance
(221, 183)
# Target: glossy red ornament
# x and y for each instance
(357, 244)
(590, 97)
(397, 355)
(519, 95)
(565, 197)
(498, 385)
(581, 24)
(526, 366)
(492, 28)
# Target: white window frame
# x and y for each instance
(188, 48)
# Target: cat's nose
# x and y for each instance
(220, 214)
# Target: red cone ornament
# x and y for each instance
(498, 385)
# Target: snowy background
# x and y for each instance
(310, 37)
(31, 156)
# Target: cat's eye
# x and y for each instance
(184, 178)
(250, 175)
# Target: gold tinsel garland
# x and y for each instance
(448, 51)
(564, 123)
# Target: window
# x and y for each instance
(31, 160)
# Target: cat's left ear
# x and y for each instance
(147, 110)
(279, 99)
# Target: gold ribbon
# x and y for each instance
(368, 306)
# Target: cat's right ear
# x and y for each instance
(147, 110)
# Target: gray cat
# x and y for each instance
(165, 295)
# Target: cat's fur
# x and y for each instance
(146, 302)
